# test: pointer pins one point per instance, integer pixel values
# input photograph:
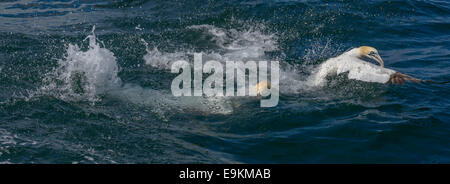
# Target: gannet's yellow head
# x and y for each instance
(371, 53)
(261, 87)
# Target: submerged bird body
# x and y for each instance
(261, 87)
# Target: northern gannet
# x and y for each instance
(355, 62)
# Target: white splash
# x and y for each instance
(157, 59)
(247, 44)
(82, 75)
(88, 75)
(236, 45)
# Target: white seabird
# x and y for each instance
(355, 62)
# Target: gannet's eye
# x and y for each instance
(372, 53)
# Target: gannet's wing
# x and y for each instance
(400, 78)
(365, 71)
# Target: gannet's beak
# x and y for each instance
(377, 58)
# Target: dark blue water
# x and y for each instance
(63, 101)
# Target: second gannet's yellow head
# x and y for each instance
(261, 87)
(370, 53)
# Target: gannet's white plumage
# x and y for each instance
(353, 62)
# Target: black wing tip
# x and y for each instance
(400, 78)
(436, 82)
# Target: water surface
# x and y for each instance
(67, 97)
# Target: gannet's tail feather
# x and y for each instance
(400, 78)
